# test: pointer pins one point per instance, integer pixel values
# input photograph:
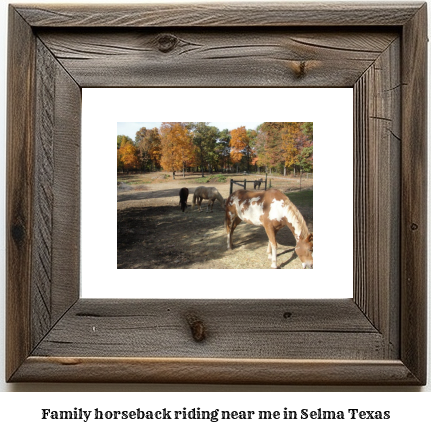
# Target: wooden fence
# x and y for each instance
(244, 183)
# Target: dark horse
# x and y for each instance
(184, 194)
(257, 183)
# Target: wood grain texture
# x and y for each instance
(55, 278)
(228, 58)
(414, 195)
(378, 338)
(220, 15)
(234, 329)
(377, 147)
(215, 371)
(43, 193)
(19, 196)
(67, 199)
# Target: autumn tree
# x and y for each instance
(127, 155)
(176, 146)
(281, 145)
(290, 144)
(298, 146)
(120, 139)
(269, 145)
(149, 144)
(240, 146)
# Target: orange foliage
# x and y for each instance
(127, 156)
(290, 137)
(176, 147)
(238, 142)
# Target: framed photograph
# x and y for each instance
(375, 337)
(142, 228)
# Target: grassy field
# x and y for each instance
(304, 198)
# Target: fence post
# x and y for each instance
(231, 186)
(173, 175)
(266, 180)
(245, 184)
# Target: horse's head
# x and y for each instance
(304, 250)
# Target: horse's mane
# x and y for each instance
(298, 224)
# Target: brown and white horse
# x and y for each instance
(210, 193)
(273, 210)
(184, 194)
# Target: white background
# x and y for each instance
(328, 109)
(410, 407)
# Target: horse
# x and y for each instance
(210, 193)
(184, 194)
(273, 210)
(257, 183)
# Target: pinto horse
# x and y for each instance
(184, 194)
(273, 210)
(210, 193)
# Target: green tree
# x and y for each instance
(205, 140)
(223, 148)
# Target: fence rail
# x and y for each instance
(244, 183)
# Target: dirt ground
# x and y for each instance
(153, 232)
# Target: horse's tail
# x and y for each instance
(194, 200)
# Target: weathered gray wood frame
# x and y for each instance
(379, 337)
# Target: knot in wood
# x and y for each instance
(167, 42)
(301, 69)
(414, 226)
(197, 328)
(18, 233)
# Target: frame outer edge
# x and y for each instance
(19, 189)
(414, 196)
(215, 371)
(19, 215)
(213, 14)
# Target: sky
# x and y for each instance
(130, 129)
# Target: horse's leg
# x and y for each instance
(199, 203)
(232, 221)
(271, 232)
(268, 250)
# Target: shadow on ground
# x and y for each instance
(164, 237)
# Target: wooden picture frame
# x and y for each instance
(376, 338)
